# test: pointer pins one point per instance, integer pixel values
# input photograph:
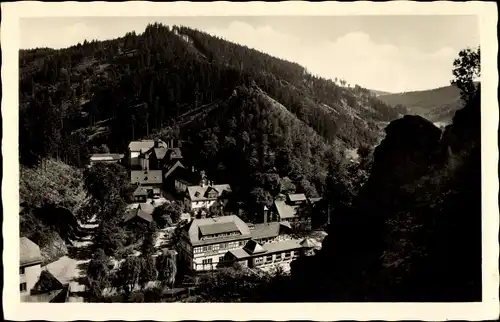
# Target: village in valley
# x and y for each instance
(211, 234)
(169, 164)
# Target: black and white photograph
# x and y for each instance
(251, 158)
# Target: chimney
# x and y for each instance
(265, 215)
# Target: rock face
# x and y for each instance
(55, 249)
(413, 232)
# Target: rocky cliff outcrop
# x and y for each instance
(54, 249)
(414, 231)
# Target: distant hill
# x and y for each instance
(380, 93)
(437, 105)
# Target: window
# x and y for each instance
(269, 258)
(241, 243)
(278, 257)
(259, 260)
(223, 245)
(221, 259)
(21, 270)
(23, 287)
(288, 254)
(215, 246)
(207, 261)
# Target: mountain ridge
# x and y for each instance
(437, 105)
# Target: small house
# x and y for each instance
(295, 209)
(140, 194)
(207, 195)
(141, 214)
(30, 260)
(147, 179)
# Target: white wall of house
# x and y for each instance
(207, 257)
(29, 275)
(274, 259)
(202, 204)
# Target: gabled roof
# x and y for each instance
(308, 243)
(141, 146)
(199, 193)
(140, 191)
(195, 234)
(47, 282)
(146, 176)
(285, 210)
(143, 211)
(253, 247)
(172, 168)
(160, 153)
(29, 252)
(175, 153)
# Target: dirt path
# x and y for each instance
(71, 269)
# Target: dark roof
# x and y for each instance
(175, 153)
(143, 211)
(193, 229)
(140, 191)
(268, 230)
(197, 193)
(146, 176)
(55, 296)
(253, 247)
(172, 168)
(160, 153)
(47, 283)
(218, 228)
(309, 243)
(282, 246)
(29, 252)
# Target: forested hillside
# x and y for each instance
(227, 101)
(436, 105)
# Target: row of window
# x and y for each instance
(208, 261)
(216, 247)
(269, 258)
(234, 233)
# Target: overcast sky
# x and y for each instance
(389, 53)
